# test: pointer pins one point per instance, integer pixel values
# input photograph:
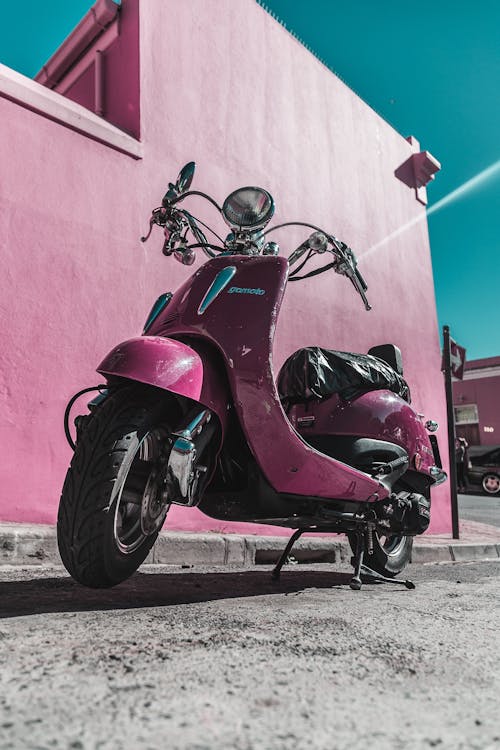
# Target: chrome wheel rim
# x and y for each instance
(491, 484)
(139, 492)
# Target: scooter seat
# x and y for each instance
(313, 374)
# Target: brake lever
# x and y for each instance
(347, 267)
(158, 217)
(148, 235)
(361, 280)
(361, 291)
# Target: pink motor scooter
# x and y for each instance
(191, 413)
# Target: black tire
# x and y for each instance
(491, 483)
(111, 507)
(390, 555)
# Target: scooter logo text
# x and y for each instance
(240, 290)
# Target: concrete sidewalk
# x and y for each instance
(30, 544)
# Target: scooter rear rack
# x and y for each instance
(360, 569)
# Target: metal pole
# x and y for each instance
(451, 431)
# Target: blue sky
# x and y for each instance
(432, 69)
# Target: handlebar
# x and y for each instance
(176, 222)
(345, 262)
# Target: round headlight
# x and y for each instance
(248, 207)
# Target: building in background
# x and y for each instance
(476, 401)
(88, 149)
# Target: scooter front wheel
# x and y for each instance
(390, 555)
(113, 502)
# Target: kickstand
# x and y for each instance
(367, 572)
(357, 562)
(277, 568)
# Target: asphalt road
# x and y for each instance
(197, 659)
(482, 508)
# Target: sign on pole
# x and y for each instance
(457, 359)
(453, 364)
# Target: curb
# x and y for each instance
(23, 545)
(37, 545)
(465, 552)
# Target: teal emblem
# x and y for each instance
(216, 287)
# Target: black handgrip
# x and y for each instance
(361, 280)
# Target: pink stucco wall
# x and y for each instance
(251, 106)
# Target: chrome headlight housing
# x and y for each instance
(248, 208)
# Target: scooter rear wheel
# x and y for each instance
(390, 555)
(113, 502)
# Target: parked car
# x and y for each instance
(484, 468)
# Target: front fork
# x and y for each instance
(184, 473)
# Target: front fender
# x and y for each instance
(161, 362)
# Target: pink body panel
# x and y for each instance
(241, 325)
(161, 362)
(381, 415)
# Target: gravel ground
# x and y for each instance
(200, 659)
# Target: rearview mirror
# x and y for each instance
(182, 184)
(185, 177)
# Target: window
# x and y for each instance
(466, 414)
(96, 66)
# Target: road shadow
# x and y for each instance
(62, 594)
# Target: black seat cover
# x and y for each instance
(314, 373)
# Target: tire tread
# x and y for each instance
(83, 521)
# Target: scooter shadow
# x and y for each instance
(62, 594)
